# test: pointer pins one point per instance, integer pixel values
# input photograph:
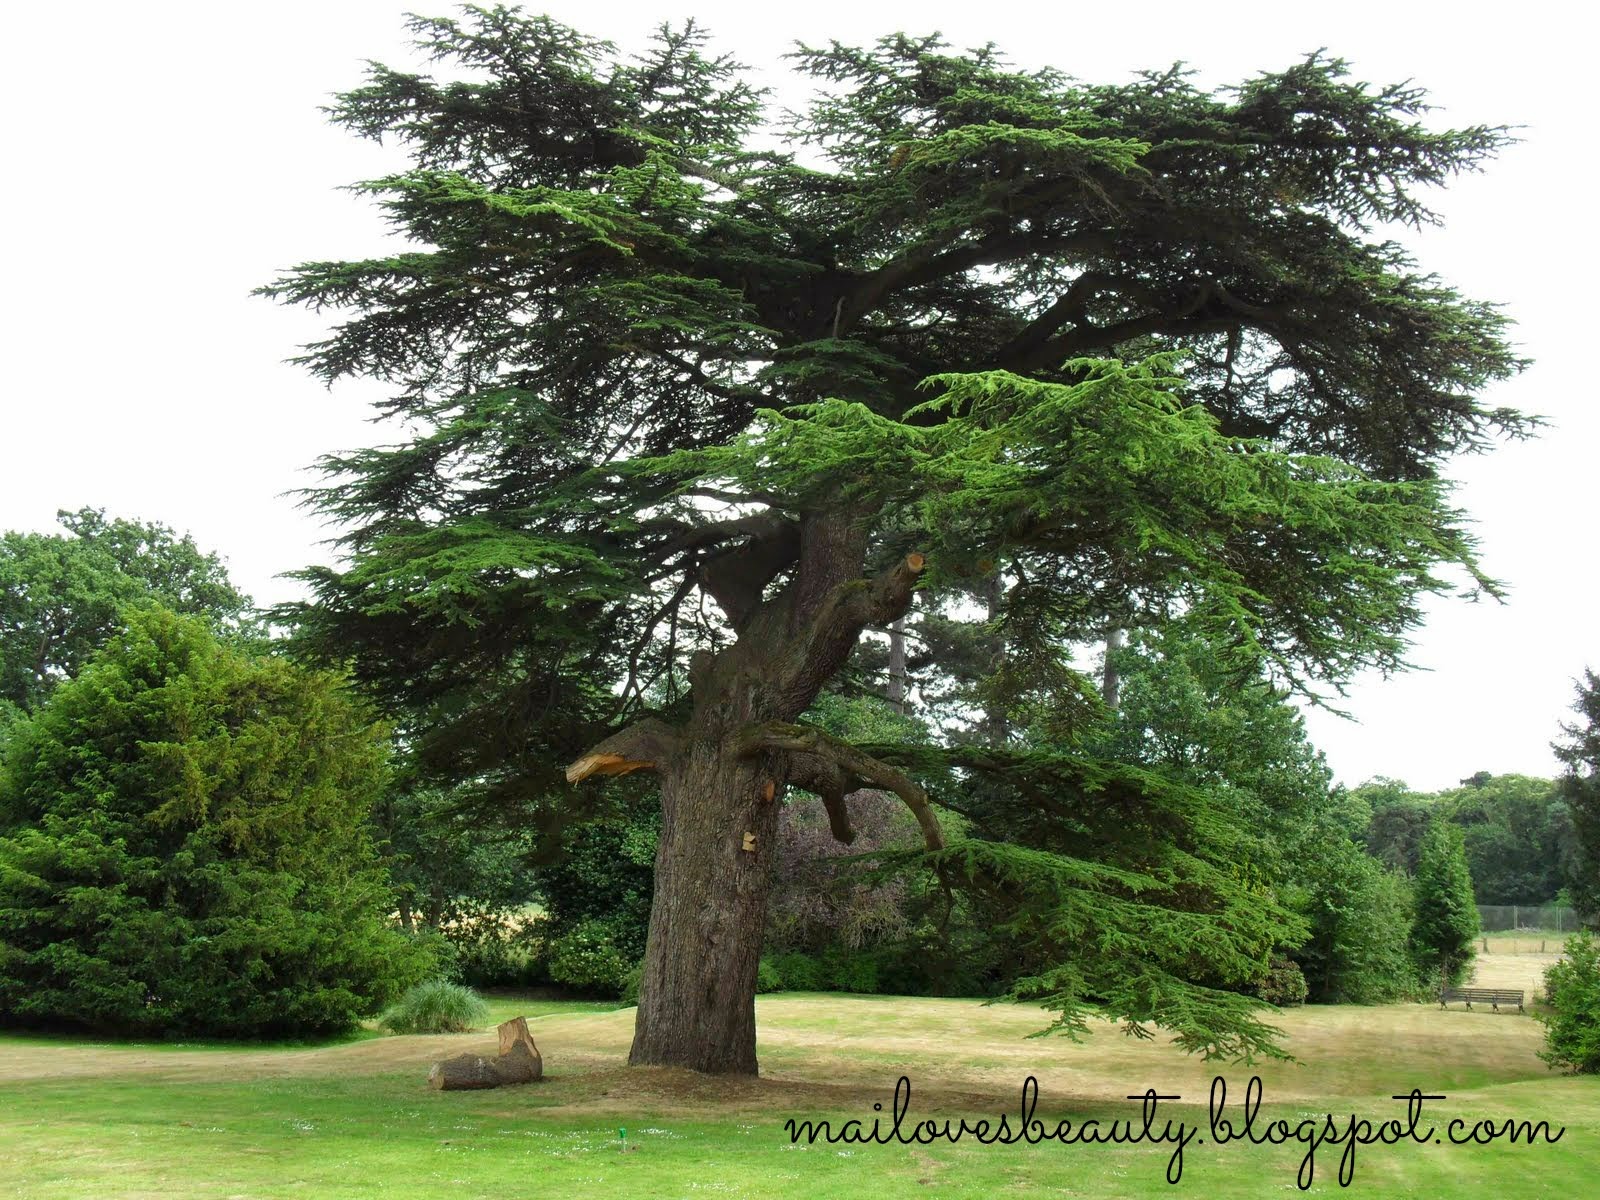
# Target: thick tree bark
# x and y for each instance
(723, 776)
(697, 991)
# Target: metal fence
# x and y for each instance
(1503, 918)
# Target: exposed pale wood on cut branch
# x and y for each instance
(639, 747)
(887, 595)
(833, 767)
(605, 764)
(829, 631)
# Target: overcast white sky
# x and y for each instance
(166, 158)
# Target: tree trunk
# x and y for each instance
(1111, 680)
(722, 780)
(697, 992)
(897, 666)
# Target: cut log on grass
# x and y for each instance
(464, 1072)
(518, 1062)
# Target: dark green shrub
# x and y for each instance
(846, 970)
(799, 972)
(1284, 984)
(768, 979)
(1359, 914)
(184, 848)
(602, 868)
(590, 959)
(1571, 1012)
(437, 1006)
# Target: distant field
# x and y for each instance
(355, 1119)
(1522, 941)
(1513, 969)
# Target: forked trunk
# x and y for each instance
(723, 775)
(697, 993)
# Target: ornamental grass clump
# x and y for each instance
(437, 1006)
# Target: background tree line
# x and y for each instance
(162, 755)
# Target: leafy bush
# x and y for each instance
(1359, 915)
(1284, 984)
(437, 1006)
(589, 959)
(846, 970)
(1571, 1012)
(514, 960)
(630, 985)
(602, 869)
(184, 848)
(768, 978)
(798, 972)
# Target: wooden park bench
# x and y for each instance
(1494, 997)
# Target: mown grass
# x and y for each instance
(355, 1119)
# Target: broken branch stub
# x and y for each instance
(639, 747)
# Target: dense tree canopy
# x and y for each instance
(1514, 830)
(1580, 787)
(62, 595)
(184, 847)
(695, 393)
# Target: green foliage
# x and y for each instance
(1571, 1012)
(1284, 984)
(591, 958)
(1446, 922)
(768, 977)
(63, 596)
(1399, 821)
(184, 848)
(1580, 788)
(600, 870)
(627, 316)
(1513, 828)
(1183, 711)
(831, 969)
(797, 972)
(1360, 915)
(461, 877)
(436, 1006)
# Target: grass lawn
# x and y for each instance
(356, 1119)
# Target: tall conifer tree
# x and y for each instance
(689, 394)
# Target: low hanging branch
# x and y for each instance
(640, 747)
(821, 763)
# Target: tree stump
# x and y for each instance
(518, 1062)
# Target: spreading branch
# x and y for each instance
(642, 746)
(821, 763)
